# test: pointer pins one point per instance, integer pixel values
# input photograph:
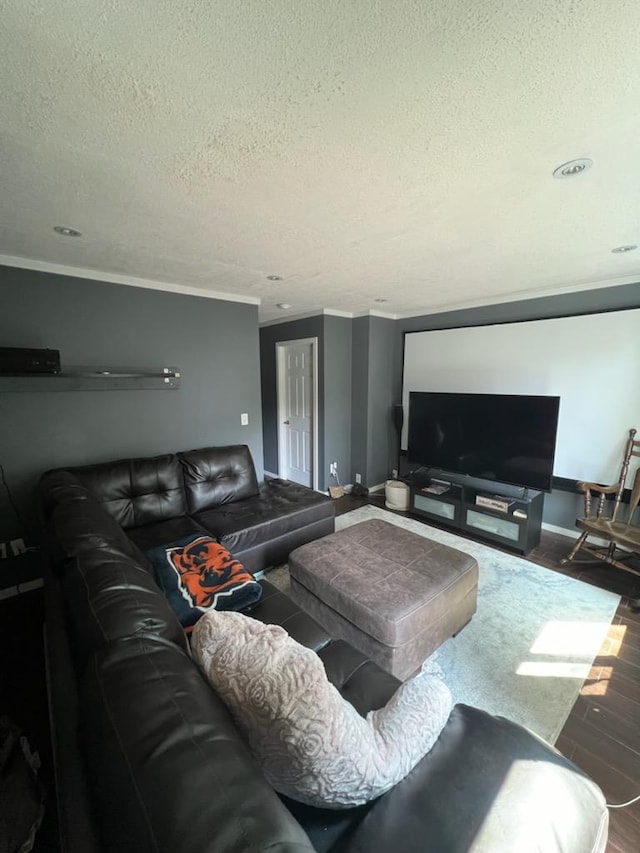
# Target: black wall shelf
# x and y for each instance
(95, 379)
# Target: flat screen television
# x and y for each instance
(507, 438)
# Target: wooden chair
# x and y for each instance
(609, 521)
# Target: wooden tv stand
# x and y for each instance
(499, 513)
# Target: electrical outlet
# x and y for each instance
(17, 547)
(358, 478)
(394, 473)
(333, 469)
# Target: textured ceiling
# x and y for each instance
(360, 149)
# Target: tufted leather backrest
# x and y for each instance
(218, 475)
(137, 491)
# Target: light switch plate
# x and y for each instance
(244, 419)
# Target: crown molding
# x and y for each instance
(333, 312)
(319, 312)
(188, 290)
(328, 312)
(291, 318)
(521, 296)
(373, 313)
(116, 278)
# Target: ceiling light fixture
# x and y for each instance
(619, 250)
(284, 305)
(573, 168)
(274, 277)
(66, 232)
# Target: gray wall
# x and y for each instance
(334, 390)
(337, 397)
(561, 508)
(358, 402)
(360, 397)
(214, 343)
(309, 327)
(381, 441)
(373, 443)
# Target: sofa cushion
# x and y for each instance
(310, 743)
(218, 475)
(275, 552)
(152, 535)
(169, 771)
(200, 574)
(360, 680)
(278, 508)
(276, 608)
(109, 597)
(137, 491)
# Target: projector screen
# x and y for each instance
(591, 362)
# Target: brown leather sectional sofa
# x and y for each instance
(147, 757)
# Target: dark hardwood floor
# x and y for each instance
(602, 734)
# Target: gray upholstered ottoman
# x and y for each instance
(392, 594)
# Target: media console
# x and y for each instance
(506, 515)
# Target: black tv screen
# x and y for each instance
(508, 438)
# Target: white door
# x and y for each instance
(296, 410)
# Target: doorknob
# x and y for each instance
(285, 422)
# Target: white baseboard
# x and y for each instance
(270, 474)
(563, 531)
(573, 534)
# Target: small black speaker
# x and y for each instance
(398, 417)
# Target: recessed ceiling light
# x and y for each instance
(66, 232)
(573, 168)
(380, 299)
(274, 277)
(619, 250)
(284, 305)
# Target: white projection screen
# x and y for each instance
(591, 362)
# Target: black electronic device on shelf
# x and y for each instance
(21, 361)
(504, 438)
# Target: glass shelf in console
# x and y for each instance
(96, 379)
(492, 524)
(435, 507)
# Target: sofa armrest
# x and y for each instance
(487, 784)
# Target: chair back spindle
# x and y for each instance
(632, 449)
(621, 537)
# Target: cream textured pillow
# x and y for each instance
(311, 744)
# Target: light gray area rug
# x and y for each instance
(531, 643)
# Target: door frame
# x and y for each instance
(281, 347)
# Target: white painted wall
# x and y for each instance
(592, 362)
